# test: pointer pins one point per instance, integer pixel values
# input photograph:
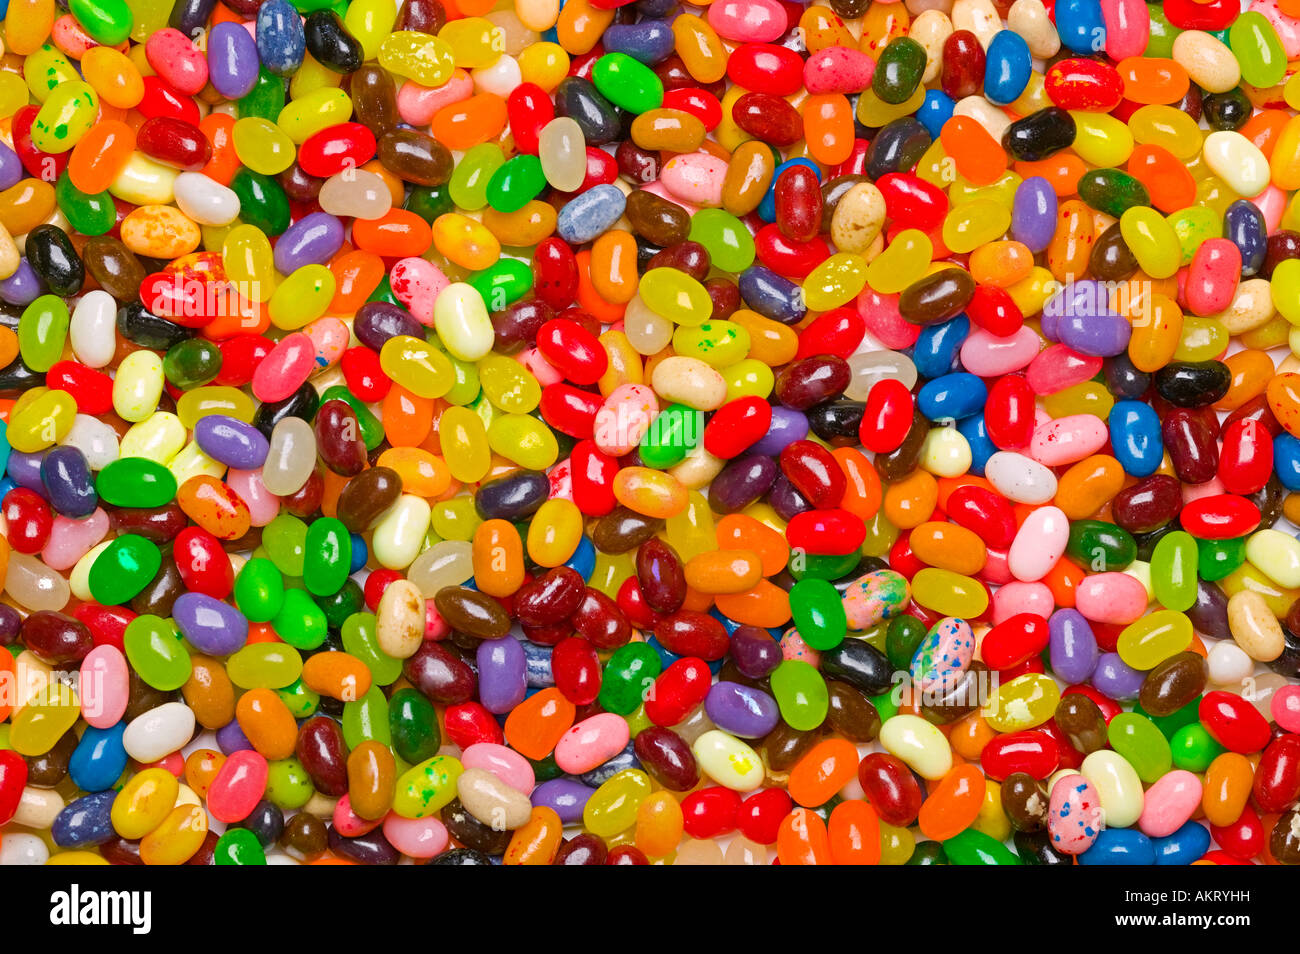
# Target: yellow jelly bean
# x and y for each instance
(370, 21)
(45, 70)
(1024, 702)
(464, 444)
(43, 421)
(1101, 139)
(835, 282)
(144, 802)
(249, 262)
(319, 109)
(554, 532)
(716, 343)
(177, 838)
(613, 807)
(302, 297)
(219, 399)
(426, 59)
(417, 366)
(949, 593)
(159, 437)
(1151, 240)
(975, 223)
(649, 492)
(51, 712)
(902, 262)
(138, 385)
(1154, 638)
(144, 182)
(262, 146)
(524, 440)
(676, 296)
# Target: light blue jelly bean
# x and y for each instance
(1080, 24)
(99, 758)
(1007, 68)
(1135, 437)
(590, 214)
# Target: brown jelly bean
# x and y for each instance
(1172, 684)
(440, 674)
(936, 297)
(472, 612)
(851, 713)
(1082, 722)
(622, 530)
(366, 496)
(415, 157)
(1025, 802)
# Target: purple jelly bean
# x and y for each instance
(649, 41)
(231, 738)
(1033, 213)
(11, 167)
(10, 621)
(230, 441)
(502, 674)
(377, 321)
(24, 469)
(312, 240)
(209, 625)
(23, 287)
(772, 295)
(788, 426)
(67, 478)
(785, 499)
(741, 710)
(232, 60)
(1116, 679)
(742, 482)
(1072, 647)
(564, 796)
(754, 651)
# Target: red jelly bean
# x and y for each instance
(887, 417)
(1220, 517)
(679, 689)
(336, 148)
(710, 812)
(1233, 722)
(572, 350)
(1015, 641)
(891, 788)
(1034, 753)
(737, 426)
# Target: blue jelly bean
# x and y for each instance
(1080, 24)
(606, 770)
(1007, 68)
(1120, 846)
(952, 397)
(936, 348)
(360, 553)
(537, 666)
(68, 482)
(982, 447)
(936, 109)
(1184, 846)
(1135, 437)
(1286, 460)
(281, 40)
(232, 60)
(85, 822)
(649, 42)
(583, 561)
(1033, 213)
(99, 758)
(1244, 227)
(771, 295)
(590, 214)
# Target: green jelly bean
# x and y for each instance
(262, 201)
(300, 622)
(1194, 748)
(366, 719)
(1259, 51)
(885, 704)
(372, 429)
(338, 606)
(928, 853)
(821, 566)
(424, 789)
(800, 694)
(1112, 191)
(327, 557)
(264, 100)
(818, 613)
(469, 180)
(285, 542)
(1160, 41)
(973, 847)
(1216, 559)
(106, 21)
(136, 482)
(264, 666)
(726, 239)
(628, 83)
(413, 726)
(288, 786)
(904, 635)
(43, 331)
(1173, 571)
(504, 283)
(192, 363)
(515, 183)
(1137, 739)
(239, 846)
(429, 202)
(545, 769)
(674, 433)
(89, 214)
(1170, 724)
(123, 569)
(259, 590)
(1100, 547)
(359, 639)
(898, 70)
(156, 651)
(298, 699)
(629, 673)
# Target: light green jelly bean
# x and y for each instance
(288, 786)
(1137, 739)
(285, 542)
(1256, 46)
(729, 244)
(264, 666)
(43, 331)
(107, 21)
(1194, 748)
(469, 180)
(1173, 571)
(156, 651)
(366, 719)
(800, 694)
(259, 590)
(425, 788)
(300, 622)
(298, 699)
(359, 639)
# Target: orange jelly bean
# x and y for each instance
(948, 547)
(1088, 485)
(397, 234)
(469, 122)
(910, 502)
(979, 157)
(854, 834)
(954, 804)
(535, 725)
(498, 556)
(823, 771)
(738, 531)
(214, 507)
(802, 839)
(267, 722)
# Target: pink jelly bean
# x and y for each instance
(541, 369)
(1212, 277)
(794, 647)
(1169, 803)
(238, 787)
(505, 763)
(418, 104)
(105, 686)
(416, 837)
(176, 60)
(591, 742)
(1285, 708)
(70, 540)
(990, 356)
(348, 823)
(1128, 28)
(838, 69)
(262, 504)
(1074, 815)
(883, 320)
(748, 21)
(1016, 597)
(1067, 440)
(1110, 598)
(1039, 543)
(695, 177)
(417, 283)
(624, 418)
(1060, 367)
(285, 368)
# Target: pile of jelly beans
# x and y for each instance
(632, 431)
